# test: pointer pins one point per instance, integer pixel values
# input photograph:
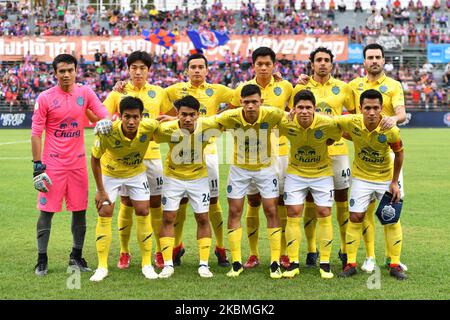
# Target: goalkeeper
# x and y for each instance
(59, 169)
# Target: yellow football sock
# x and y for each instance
(167, 248)
(274, 236)
(253, 229)
(204, 248)
(394, 237)
(369, 230)
(235, 238)
(309, 224)
(124, 223)
(325, 235)
(215, 216)
(144, 233)
(179, 224)
(103, 236)
(156, 218)
(353, 238)
(282, 213)
(342, 215)
(293, 238)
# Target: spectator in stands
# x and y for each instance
(446, 76)
(436, 5)
(342, 7)
(358, 6)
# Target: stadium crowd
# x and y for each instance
(20, 82)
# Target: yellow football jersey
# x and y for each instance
(121, 157)
(331, 97)
(275, 94)
(210, 96)
(391, 90)
(309, 153)
(185, 160)
(372, 161)
(252, 142)
(152, 98)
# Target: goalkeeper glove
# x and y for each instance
(40, 177)
(103, 127)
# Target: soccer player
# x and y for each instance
(139, 63)
(59, 168)
(310, 171)
(210, 97)
(252, 125)
(374, 173)
(331, 96)
(393, 112)
(117, 165)
(186, 175)
(275, 94)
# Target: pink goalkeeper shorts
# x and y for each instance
(71, 185)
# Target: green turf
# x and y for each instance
(425, 220)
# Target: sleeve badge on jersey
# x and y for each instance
(383, 89)
(151, 94)
(335, 90)
(80, 101)
(36, 106)
(143, 138)
(277, 91)
(382, 138)
(209, 92)
(318, 134)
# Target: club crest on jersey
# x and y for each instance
(43, 201)
(336, 90)
(264, 125)
(209, 92)
(151, 94)
(382, 138)
(80, 101)
(143, 138)
(318, 134)
(277, 91)
(383, 89)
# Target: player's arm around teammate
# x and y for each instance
(117, 162)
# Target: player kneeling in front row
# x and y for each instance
(117, 162)
(186, 175)
(309, 170)
(373, 175)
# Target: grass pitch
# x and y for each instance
(425, 221)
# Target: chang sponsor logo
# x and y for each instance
(68, 128)
(307, 154)
(370, 155)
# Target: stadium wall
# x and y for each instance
(414, 119)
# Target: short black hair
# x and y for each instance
(139, 55)
(187, 101)
(312, 55)
(371, 94)
(250, 89)
(263, 52)
(304, 95)
(196, 56)
(375, 46)
(64, 57)
(130, 103)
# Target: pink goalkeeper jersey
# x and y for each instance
(62, 114)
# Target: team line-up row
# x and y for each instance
(310, 171)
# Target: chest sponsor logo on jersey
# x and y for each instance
(202, 109)
(323, 107)
(151, 94)
(335, 90)
(306, 154)
(132, 159)
(80, 101)
(277, 91)
(370, 155)
(68, 128)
